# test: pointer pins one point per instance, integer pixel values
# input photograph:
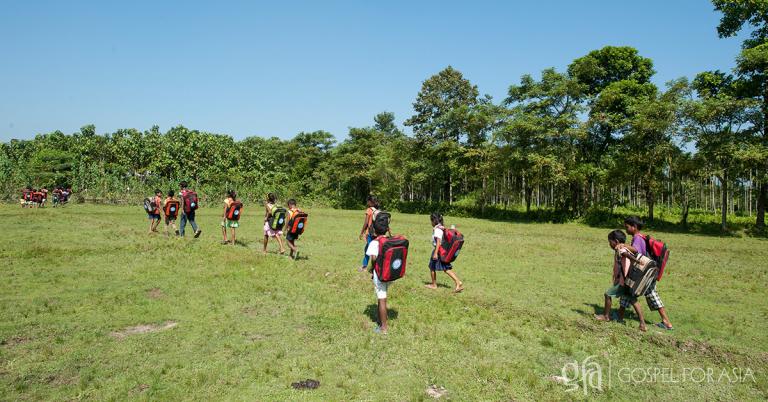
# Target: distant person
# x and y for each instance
(26, 197)
(154, 212)
(171, 208)
(435, 263)
(633, 225)
(44, 196)
(297, 220)
(273, 227)
(380, 288)
(372, 205)
(230, 218)
(621, 264)
(189, 204)
(57, 196)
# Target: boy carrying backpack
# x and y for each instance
(446, 243)
(231, 216)
(152, 207)
(274, 221)
(171, 208)
(389, 254)
(657, 251)
(189, 203)
(297, 222)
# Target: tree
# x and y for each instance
(716, 123)
(600, 68)
(737, 13)
(385, 122)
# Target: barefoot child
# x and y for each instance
(616, 240)
(633, 225)
(372, 204)
(271, 206)
(232, 224)
(435, 264)
(291, 238)
(379, 287)
(154, 214)
(171, 208)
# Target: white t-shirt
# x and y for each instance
(437, 232)
(373, 249)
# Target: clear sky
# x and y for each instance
(245, 68)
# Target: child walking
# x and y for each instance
(435, 264)
(227, 223)
(616, 240)
(170, 216)
(633, 225)
(372, 204)
(154, 215)
(380, 288)
(290, 237)
(268, 231)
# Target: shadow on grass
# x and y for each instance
(372, 311)
(439, 285)
(600, 310)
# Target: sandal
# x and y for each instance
(664, 327)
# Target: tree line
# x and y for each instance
(597, 135)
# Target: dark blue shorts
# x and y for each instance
(153, 216)
(437, 265)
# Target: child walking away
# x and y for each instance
(231, 216)
(372, 205)
(389, 256)
(621, 263)
(189, 204)
(152, 205)
(297, 221)
(171, 208)
(274, 220)
(639, 246)
(447, 244)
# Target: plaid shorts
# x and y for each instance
(651, 297)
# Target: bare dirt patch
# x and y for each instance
(155, 293)
(140, 388)
(433, 391)
(143, 329)
(15, 341)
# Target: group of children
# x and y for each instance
(37, 198)
(276, 218)
(623, 254)
(376, 230)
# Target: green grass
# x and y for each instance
(250, 325)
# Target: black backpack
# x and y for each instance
(150, 205)
(380, 222)
(277, 218)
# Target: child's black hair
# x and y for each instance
(373, 200)
(232, 194)
(634, 221)
(171, 193)
(183, 184)
(381, 229)
(157, 190)
(272, 198)
(617, 235)
(291, 202)
(436, 218)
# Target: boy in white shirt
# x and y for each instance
(379, 287)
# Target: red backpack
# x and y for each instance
(190, 201)
(393, 254)
(449, 247)
(297, 223)
(658, 252)
(233, 211)
(172, 209)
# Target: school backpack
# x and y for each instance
(277, 218)
(297, 223)
(450, 245)
(379, 222)
(642, 273)
(190, 201)
(658, 252)
(172, 209)
(27, 195)
(150, 205)
(233, 210)
(393, 254)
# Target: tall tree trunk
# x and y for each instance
(724, 206)
(761, 199)
(650, 201)
(528, 193)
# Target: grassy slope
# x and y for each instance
(249, 325)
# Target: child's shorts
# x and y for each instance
(169, 219)
(621, 291)
(271, 233)
(437, 265)
(291, 237)
(651, 297)
(226, 223)
(153, 216)
(379, 287)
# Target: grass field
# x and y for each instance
(237, 325)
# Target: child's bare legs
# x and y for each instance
(292, 246)
(224, 234)
(639, 312)
(383, 315)
(459, 285)
(432, 285)
(155, 224)
(266, 241)
(280, 242)
(606, 316)
(233, 237)
(621, 313)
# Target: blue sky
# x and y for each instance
(251, 68)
